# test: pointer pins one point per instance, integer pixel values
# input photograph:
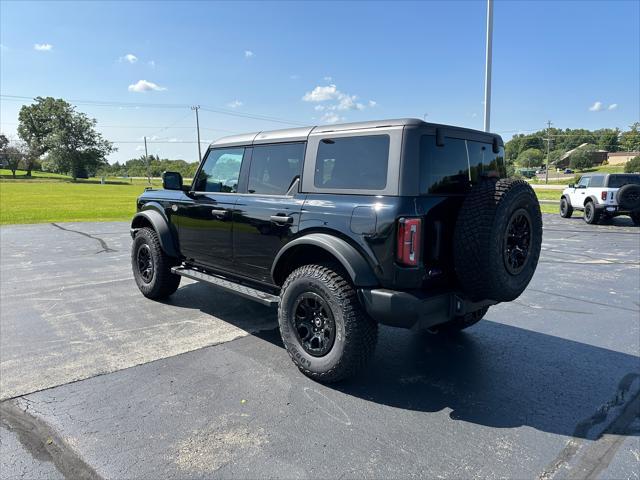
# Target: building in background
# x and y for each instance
(620, 158)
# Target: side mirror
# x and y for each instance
(571, 185)
(171, 181)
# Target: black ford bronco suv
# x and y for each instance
(343, 227)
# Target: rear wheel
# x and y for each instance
(591, 215)
(324, 329)
(459, 323)
(566, 210)
(151, 266)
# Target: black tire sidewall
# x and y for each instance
(141, 239)
(163, 282)
(293, 290)
(590, 214)
(567, 210)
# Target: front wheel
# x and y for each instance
(323, 326)
(151, 266)
(591, 215)
(566, 210)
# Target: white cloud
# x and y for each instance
(145, 86)
(248, 54)
(235, 104)
(319, 108)
(596, 107)
(613, 106)
(140, 148)
(43, 47)
(372, 103)
(129, 57)
(328, 79)
(152, 63)
(331, 117)
(344, 101)
(321, 94)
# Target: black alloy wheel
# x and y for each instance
(517, 241)
(314, 324)
(145, 263)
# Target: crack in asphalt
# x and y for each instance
(103, 244)
(42, 441)
(605, 441)
(546, 292)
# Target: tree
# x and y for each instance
(4, 141)
(607, 139)
(582, 158)
(68, 138)
(630, 141)
(12, 154)
(531, 157)
(633, 165)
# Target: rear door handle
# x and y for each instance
(219, 213)
(281, 220)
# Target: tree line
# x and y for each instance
(530, 150)
(138, 167)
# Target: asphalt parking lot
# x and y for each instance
(97, 381)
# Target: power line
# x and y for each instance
(222, 111)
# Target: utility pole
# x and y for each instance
(146, 160)
(546, 170)
(487, 68)
(196, 108)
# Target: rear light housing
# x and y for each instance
(603, 195)
(409, 241)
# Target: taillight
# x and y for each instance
(409, 241)
(603, 195)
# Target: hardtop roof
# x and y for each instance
(301, 133)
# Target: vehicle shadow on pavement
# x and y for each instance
(493, 374)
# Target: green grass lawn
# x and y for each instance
(48, 197)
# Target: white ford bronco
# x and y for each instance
(603, 196)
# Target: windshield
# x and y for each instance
(617, 181)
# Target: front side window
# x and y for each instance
(584, 182)
(358, 163)
(455, 166)
(220, 171)
(274, 167)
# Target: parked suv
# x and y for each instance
(603, 196)
(345, 227)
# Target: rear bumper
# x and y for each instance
(612, 209)
(416, 310)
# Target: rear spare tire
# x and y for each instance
(497, 239)
(628, 197)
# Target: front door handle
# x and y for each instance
(281, 219)
(219, 213)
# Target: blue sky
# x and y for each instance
(319, 62)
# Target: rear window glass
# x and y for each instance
(358, 163)
(457, 165)
(617, 181)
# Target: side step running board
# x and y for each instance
(247, 292)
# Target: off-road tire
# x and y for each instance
(635, 218)
(356, 333)
(591, 215)
(566, 210)
(628, 197)
(162, 282)
(459, 323)
(481, 235)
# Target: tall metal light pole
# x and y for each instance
(487, 69)
(546, 170)
(196, 108)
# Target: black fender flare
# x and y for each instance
(590, 198)
(351, 259)
(160, 224)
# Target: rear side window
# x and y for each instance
(220, 171)
(457, 165)
(358, 163)
(617, 181)
(597, 181)
(274, 167)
